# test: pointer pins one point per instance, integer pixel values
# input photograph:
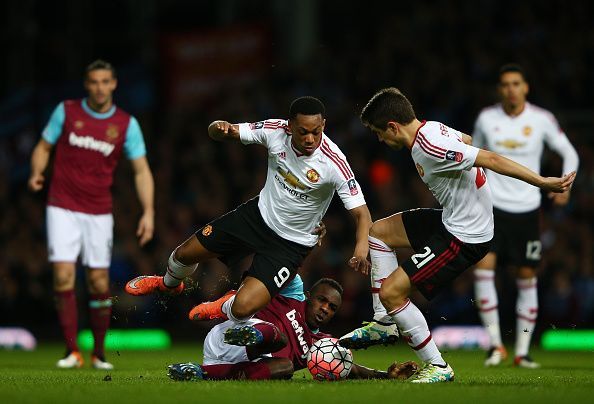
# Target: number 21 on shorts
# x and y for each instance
(421, 259)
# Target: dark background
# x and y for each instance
(183, 64)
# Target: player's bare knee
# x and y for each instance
(242, 308)
(63, 279)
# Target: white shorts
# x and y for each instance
(217, 352)
(70, 234)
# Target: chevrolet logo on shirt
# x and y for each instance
(292, 180)
(510, 144)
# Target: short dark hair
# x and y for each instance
(512, 68)
(388, 104)
(100, 64)
(306, 106)
(330, 282)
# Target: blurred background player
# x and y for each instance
(275, 343)
(305, 169)
(446, 242)
(517, 130)
(89, 135)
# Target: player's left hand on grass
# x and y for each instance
(320, 230)
(146, 227)
(402, 371)
(559, 185)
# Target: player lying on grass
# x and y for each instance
(275, 343)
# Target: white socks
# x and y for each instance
(526, 312)
(486, 300)
(383, 263)
(414, 330)
(176, 271)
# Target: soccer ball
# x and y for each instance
(327, 360)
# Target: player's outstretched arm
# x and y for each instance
(363, 221)
(401, 371)
(505, 166)
(39, 159)
(223, 130)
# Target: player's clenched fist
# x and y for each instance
(36, 182)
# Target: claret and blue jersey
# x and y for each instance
(88, 146)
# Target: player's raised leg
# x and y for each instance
(252, 296)
(182, 262)
(387, 234)
(487, 304)
(526, 312)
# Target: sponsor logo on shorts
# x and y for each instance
(454, 156)
(257, 125)
(353, 186)
(313, 176)
(207, 231)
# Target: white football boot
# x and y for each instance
(73, 360)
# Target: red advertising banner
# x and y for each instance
(198, 64)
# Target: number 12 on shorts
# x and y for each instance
(421, 259)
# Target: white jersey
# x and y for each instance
(445, 164)
(299, 188)
(521, 138)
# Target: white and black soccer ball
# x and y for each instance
(328, 360)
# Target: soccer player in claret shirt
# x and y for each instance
(275, 342)
(89, 136)
(305, 169)
(445, 241)
(517, 130)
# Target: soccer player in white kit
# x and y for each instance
(446, 242)
(517, 130)
(305, 169)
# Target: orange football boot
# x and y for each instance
(211, 310)
(146, 285)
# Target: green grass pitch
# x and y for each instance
(139, 377)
